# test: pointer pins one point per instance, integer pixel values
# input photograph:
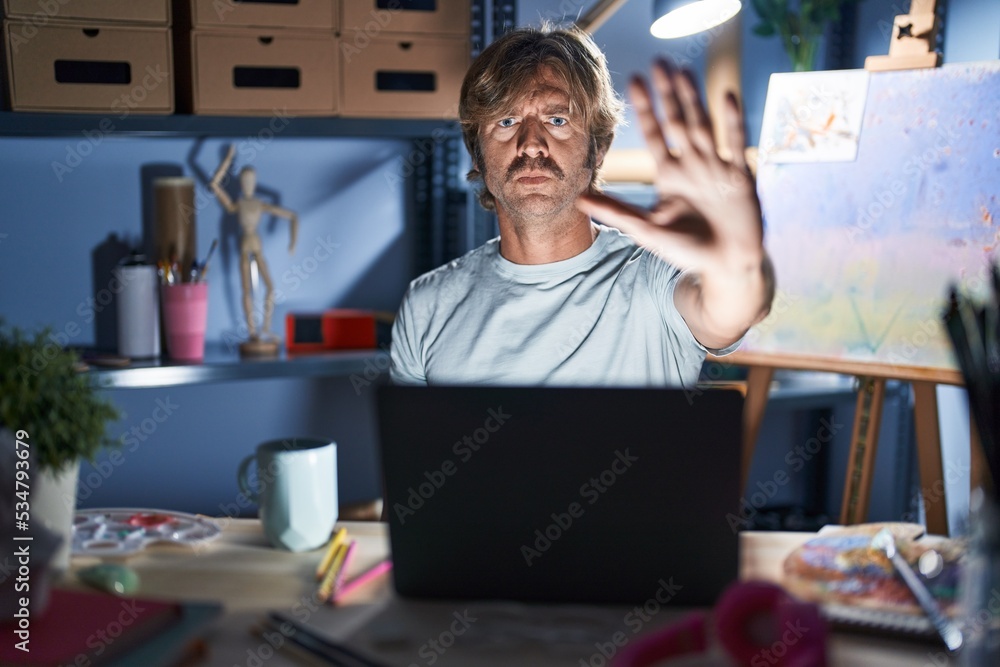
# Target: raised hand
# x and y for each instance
(707, 215)
(707, 219)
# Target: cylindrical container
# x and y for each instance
(185, 315)
(138, 309)
(173, 199)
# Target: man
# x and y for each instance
(558, 299)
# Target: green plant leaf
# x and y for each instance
(764, 30)
(62, 410)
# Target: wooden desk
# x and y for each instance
(249, 577)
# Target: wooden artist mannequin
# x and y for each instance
(249, 210)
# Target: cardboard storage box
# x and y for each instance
(429, 17)
(103, 11)
(404, 78)
(116, 70)
(301, 14)
(250, 73)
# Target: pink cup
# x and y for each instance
(185, 313)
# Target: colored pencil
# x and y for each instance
(331, 551)
(326, 586)
(357, 582)
(338, 578)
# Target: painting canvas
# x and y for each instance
(865, 250)
(813, 117)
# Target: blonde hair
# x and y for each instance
(502, 72)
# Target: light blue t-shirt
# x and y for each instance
(605, 317)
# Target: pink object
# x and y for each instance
(756, 622)
(185, 313)
(362, 579)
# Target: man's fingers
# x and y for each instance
(613, 211)
(735, 132)
(698, 124)
(648, 123)
(664, 76)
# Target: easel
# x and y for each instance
(867, 420)
(912, 47)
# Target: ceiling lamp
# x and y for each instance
(680, 18)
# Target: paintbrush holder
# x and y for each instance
(980, 592)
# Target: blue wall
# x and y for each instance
(51, 227)
(354, 250)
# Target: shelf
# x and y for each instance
(224, 365)
(27, 124)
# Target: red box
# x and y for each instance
(337, 329)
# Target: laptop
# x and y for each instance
(561, 495)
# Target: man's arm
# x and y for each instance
(406, 366)
(707, 220)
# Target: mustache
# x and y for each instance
(542, 163)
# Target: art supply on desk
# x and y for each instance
(331, 551)
(122, 532)
(360, 580)
(885, 542)
(138, 309)
(335, 571)
(111, 578)
(316, 644)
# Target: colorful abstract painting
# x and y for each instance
(865, 251)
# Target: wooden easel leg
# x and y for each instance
(925, 413)
(864, 444)
(758, 386)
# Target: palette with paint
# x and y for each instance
(121, 532)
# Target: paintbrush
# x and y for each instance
(204, 267)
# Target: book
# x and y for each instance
(83, 627)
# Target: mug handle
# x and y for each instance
(241, 479)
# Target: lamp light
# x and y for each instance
(680, 18)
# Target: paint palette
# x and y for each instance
(120, 532)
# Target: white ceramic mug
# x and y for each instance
(297, 500)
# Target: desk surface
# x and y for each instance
(249, 577)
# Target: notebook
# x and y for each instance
(595, 495)
(86, 627)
